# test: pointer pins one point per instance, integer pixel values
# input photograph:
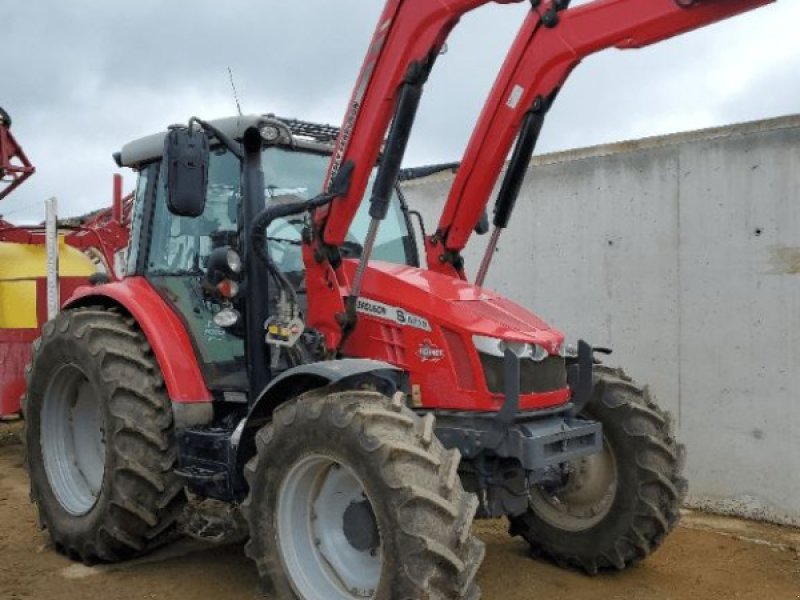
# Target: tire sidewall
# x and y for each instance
(294, 443)
(608, 408)
(68, 529)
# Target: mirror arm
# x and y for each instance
(231, 145)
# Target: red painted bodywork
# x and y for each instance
(545, 52)
(15, 167)
(456, 311)
(164, 330)
(15, 346)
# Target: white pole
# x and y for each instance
(51, 238)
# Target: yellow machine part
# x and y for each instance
(20, 266)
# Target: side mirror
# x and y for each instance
(186, 152)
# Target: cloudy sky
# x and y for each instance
(81, 78)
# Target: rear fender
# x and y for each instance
(164, 330)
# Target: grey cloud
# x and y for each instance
(82, 78)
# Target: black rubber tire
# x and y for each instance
(423, 514)
(141, 498)
(650, 487)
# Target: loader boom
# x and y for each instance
(549, 46)
(410, 34)
(408, 38)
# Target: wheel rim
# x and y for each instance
(587, 496)
(72, 440)
(327, 532)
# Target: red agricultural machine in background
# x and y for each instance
(87, 246)
(15, 167)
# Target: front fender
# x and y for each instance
(164, 330)
(336, 374)
(344, 372)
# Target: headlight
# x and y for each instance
(498, 347)
(488, 345)
(270, 133)
(227, 317)
(234, 261)
(540, 373)
(223, 263)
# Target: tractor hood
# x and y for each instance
(452, 303)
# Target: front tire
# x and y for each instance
(617, 507)
(99, 439)
(353, 497)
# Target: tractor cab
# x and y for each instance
(174, 252)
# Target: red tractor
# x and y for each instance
(276, 345)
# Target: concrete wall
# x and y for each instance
(683, 254)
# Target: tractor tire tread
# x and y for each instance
(658, 463)
(142, 498)
(439, 556)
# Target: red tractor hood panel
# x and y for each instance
(453, 303)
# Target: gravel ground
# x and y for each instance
(709, 558)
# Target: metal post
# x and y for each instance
(51, 241)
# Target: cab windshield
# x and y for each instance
(180, 244)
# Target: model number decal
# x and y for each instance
(391, 313)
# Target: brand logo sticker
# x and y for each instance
(429, 352)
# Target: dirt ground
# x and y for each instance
(707, 558)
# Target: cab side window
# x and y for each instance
(181, 245)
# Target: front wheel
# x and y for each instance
(353, 497)
(616, 507)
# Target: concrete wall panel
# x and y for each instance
(681, 253)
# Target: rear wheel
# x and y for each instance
(99, 439)
(616, 507)
(353, 497)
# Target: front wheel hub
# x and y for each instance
(586, 497)
(327, 531)
(360, 526)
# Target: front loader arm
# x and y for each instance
(407, 40)
(549, 46)
(409, 35)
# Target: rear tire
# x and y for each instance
(100, 448)
(372, 448)
(619, 506)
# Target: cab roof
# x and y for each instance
(310, 136)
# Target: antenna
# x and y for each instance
(235, 95)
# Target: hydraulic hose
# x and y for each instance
(258, 233)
